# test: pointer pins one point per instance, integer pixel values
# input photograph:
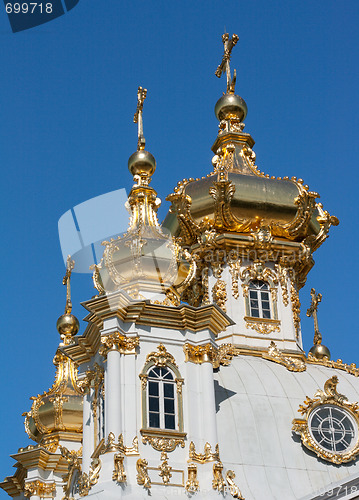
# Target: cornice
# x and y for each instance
(38, 457)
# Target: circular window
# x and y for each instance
(333, 428)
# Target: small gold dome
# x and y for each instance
(67, 325)
(230, 106)
(142, 163)
(319, 351)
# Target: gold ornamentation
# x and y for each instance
(207, 456)
(294, 297)
(234, 267)
(39, 489)
(224, 355)
(162, 442)
(111, 445)
(218, 482)
(119, 473)
(73, 467)
(141, 96)
(86, 481)
(165, 469)
(119, 342)
(162, 357)
(292, 364)
(282, 273)
(224, 66)
(233, 488)
(205, 299)
(192, 484)
(338, 365)
(70, 264)
(143, 479)
(257, 271)
(219, 294)
(332, 397)
(199, 353)
(264, 326)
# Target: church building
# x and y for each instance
(190, 379)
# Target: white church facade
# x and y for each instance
(190, 379)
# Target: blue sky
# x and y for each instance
(68, 94)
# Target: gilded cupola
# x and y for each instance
(56, 414)
(237, 202)
(145, 262)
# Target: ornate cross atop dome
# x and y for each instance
(224, 66)
(141, 96)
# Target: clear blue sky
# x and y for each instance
(68, 94)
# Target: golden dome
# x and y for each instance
(57, 413)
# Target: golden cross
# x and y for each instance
(141, 96)
(70, 264)
(224, 66)
(313, 311)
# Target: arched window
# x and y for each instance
(161, 399)
(259, 299)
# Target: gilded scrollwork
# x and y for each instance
(73, 458)
(218, 483)
(257, 271)
(143, 479)
(200, 353)
(329, 398)
(234, 267)
(163, 443)
(39, 489)
(207, 456)
(233, 488)
(165, 469)
(112, 445)
(119, 474)
(219, 294)
(192, 484)
(86, 481)
(291, 363)
(352, 369)
(120, 342)
(162, 357)
(265, 326)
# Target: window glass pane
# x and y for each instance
(168, 375)
(154, 404)
(154, 420)
(169, 406)
(252, 294)
(155, 373)
(168, 390)
(254, 303)
(265, 295)
(170, 422)
(265, 304)
(255, 313)
(266, 314)
(153, 388)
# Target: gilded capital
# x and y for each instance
(117, 341)
(200, 353)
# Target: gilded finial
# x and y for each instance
(225, 66)
(318, 349)
(141, 96)
(70, 264)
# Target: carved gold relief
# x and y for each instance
(262, 325)
(234, 267)
(192, 484)
(163, 441)
(143, 479)
(338, 365)
(233, 488)
(218, 482)
(199, 353)
(73, 467)
(119, 474)
(333, 429)
(86, 481)
(118, 341)
(219, 294)
(39, 489)
(112, 445)
(207, 456)
(162, 357)
(165, 469)
(291, 363)
(294, 297)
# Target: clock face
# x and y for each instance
(333, 428)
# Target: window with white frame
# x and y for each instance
(259, 299)
(161, 396)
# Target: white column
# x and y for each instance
(87, 432)
(113, 394)
(209, 431)
(130, 392)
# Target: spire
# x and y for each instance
(224, 66)
(67, 324)
(318, 350)
(141, 96)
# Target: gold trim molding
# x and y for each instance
(338, 365)
(292, 364)
(332, 397)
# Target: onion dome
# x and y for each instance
(236, 200)
(57, 413)
(145, 261)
